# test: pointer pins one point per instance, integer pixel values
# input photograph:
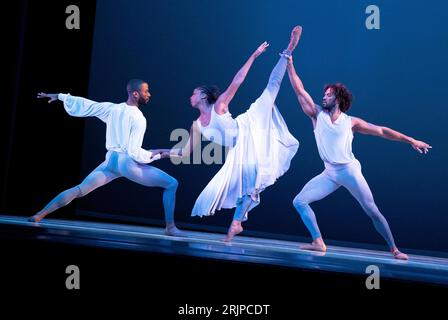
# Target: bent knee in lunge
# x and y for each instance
(172, 184)
(79, 192)
(300, 201)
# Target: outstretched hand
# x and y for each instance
(260, 49)
(163, 153)
(421, 146)
(51, 96)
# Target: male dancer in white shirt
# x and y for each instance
(333, 131)
(125, 129)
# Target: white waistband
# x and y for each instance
(341, 166)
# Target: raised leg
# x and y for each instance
(276, 77)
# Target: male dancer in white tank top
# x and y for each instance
(333, 130)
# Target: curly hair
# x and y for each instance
(343, 95)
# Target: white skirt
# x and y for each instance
(262, 153)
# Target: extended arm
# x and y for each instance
(192, 142)
(305, 100)
(364, 127)
(222, 104)
(78, 106)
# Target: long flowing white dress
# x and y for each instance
(262, 153)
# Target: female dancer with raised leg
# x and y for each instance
(261, 147)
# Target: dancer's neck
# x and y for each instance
(334, 112)
(205, 110)
(132, 103)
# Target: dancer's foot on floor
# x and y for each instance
(295, 37)
(173, 231)
(233, 231)
(37, 217)
(316, 245)
(399, 255)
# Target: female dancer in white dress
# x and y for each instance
(261, 147)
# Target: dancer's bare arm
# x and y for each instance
(164, 153)
(222, 104)
(192, 142)
(305, 100)
(361, 126)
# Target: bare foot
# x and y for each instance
(399, 255)
(295, 37)
(173, 231)
(37, 217)
(233, 231)
(316, 245)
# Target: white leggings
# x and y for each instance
(350, 177)
(115, 166)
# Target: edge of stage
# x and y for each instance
(420, 269)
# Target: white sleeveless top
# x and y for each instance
(334, 140)
(222, 129)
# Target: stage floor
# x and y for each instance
(420, 268)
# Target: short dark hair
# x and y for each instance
(212, 93)
(134, 85)
(343, 95)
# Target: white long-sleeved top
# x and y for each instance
(125, 125)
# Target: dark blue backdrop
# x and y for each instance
(397, 75)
